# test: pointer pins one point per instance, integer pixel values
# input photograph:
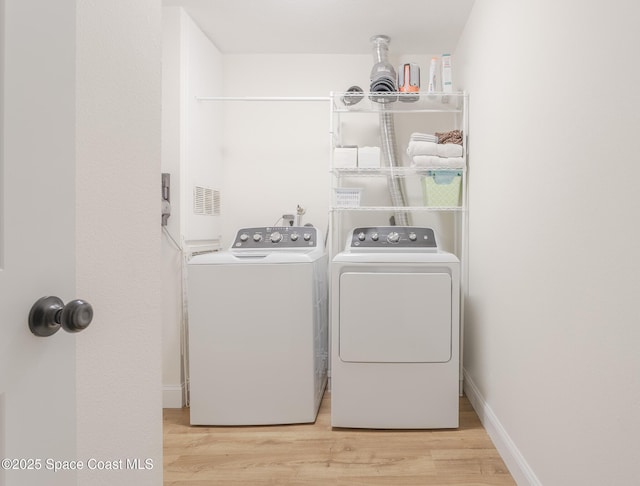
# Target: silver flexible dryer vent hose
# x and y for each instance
(383, 79)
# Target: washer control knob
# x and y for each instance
(275, 237)
(413, 236)
(244, 237)
(294, 236)
(361, 236)
(375, 236)
(306, 236)
(257, 237)
(393, 237)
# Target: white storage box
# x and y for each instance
(369, 157)
(345, 157)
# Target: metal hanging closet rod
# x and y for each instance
(263, 98)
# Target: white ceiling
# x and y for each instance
(329, 26)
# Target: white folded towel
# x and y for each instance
(433, 161)
(431, 148)
(424, 137)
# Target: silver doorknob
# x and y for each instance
(49, 314)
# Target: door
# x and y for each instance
(79, 182)
(37, 238)
(407, 318)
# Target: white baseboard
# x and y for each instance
(511, 455)
(172, 396)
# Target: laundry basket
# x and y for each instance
(347, 197)
(441, 188)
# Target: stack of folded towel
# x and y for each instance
(442, 150)
(424, 137)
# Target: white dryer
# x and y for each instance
(395, 327)
(258, 329)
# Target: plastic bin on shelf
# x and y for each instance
(347, 197)
(441, 188)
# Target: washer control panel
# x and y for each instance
(271, 237)
(392, 237)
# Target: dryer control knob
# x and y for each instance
(275, 237)
(413, 236)
(294, 236)
(393, 237)
(306, 236)
(374, 236)
(361, 236)
(244, 237)
(257, 237)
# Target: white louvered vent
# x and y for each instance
(216, 203)
(206, 201)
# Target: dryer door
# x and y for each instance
(395, 317)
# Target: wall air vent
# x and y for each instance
(216, 203)
(206, 201)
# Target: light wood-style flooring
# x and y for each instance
(317, 454)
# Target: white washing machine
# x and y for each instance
(258, 334)
(395, 327)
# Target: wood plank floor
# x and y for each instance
(317, 454)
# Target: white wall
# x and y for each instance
(191, 142)
(201, 128)
(551, 348)
(172, 379)
(276, 154)
(118, 103)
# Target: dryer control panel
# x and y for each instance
(391, 238)
(274, 237)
